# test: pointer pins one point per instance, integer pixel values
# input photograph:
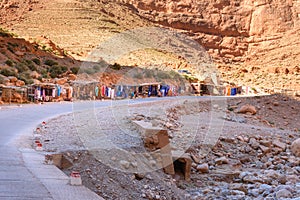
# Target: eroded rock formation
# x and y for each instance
(230, 30)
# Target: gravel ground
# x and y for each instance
(235, 156)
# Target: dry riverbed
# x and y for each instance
(235, 155)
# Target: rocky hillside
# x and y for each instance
(22, 62)
(232, 31)
(254, 43)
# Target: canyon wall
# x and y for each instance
(232, 31)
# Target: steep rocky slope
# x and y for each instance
(230, 30)
(254, 43)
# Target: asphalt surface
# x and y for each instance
(23, 175)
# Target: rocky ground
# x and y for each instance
(252, 157)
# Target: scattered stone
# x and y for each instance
(295, 147)
(253, 143)
(203, 168)
(264, 187)
(279, 144)
(276, 103)
(233, 118)
(266, 143)
(250, 178)
(283, 193)
(195, 157)
(240, 187)
(222, 160)
(139, 176)
(241, 138)
(282, 179)
(271, 174)
(247, 109)
(265, 149)
(125, 164)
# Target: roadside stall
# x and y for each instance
(45, 92)
(14, 94)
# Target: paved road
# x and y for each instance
(23, 176)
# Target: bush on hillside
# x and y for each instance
(8, 72)
(21, 67)
(57, 70)
(30, 65)
(9, 63)
(26, 78)
(36, 61)
(116, 66)
(74, 70)
(50, 63)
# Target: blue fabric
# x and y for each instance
(233, 91)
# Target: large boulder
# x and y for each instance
(72, 77)
(247, 109)
(295, 147)
(20, 83)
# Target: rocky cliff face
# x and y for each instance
(231, 30)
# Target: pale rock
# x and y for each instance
(265, 149)
(292, 179)
(125, 164)
(272, 174)
(279, 144)
(283, 193)
(247, 109)
(72, 77)
(295, 147)
(264, 187)
(266, 143)
(222, 160)
(12, 79)
(203, 168)
(253, 143)
(239, 186)
(252, 179)
(195, 157)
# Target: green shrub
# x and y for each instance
(64, 69)
(11, 49)
(26, 79)
(74, 70)
(21, 67)
(57, 70)
(4, 33)
(8, 72)
(13, 44)
(9, 63)
(36, 61)
(50, 63)
(30, 65)
(44, 73)
(116, 66)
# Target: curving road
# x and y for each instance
(22, 174)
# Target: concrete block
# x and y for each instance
(182, 163)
